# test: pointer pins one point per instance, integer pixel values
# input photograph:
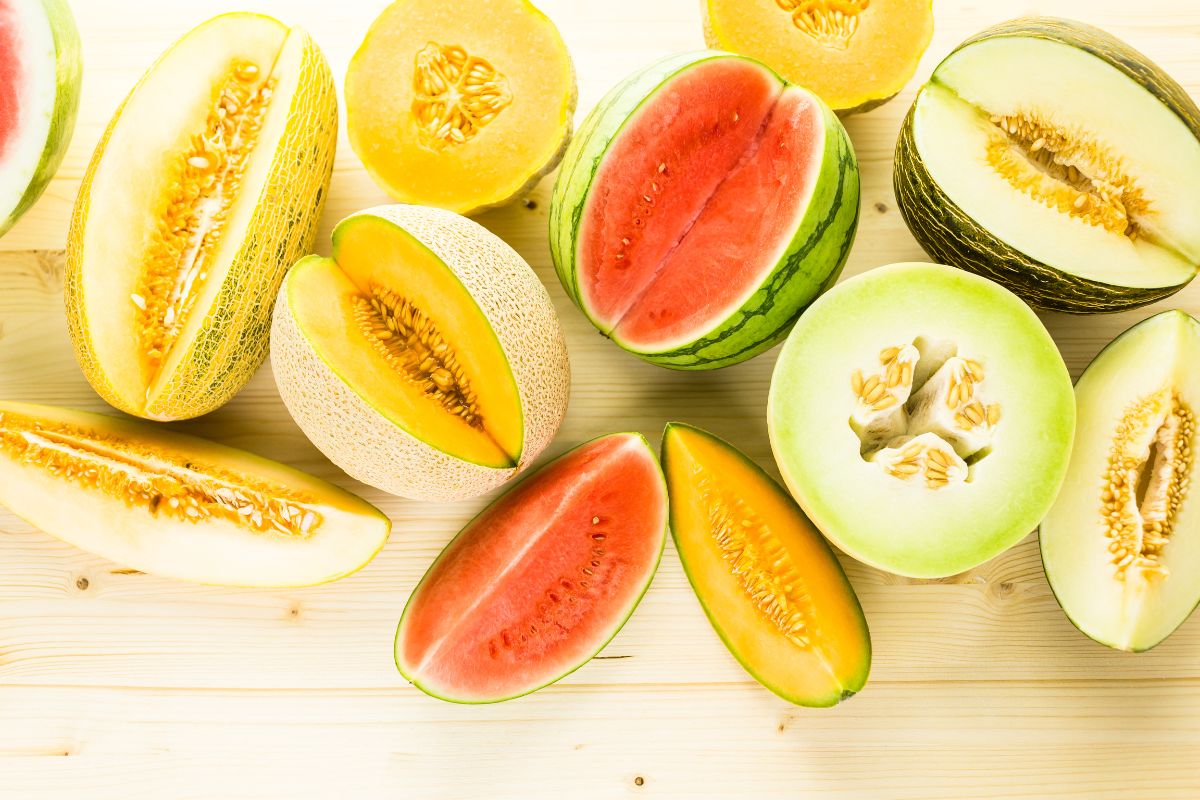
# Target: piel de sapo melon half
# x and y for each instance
(206, 186)
(423, 358)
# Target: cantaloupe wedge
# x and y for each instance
(424, 357)
(206, 186)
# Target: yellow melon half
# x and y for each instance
(206, 186)
(423, 358)
(460, 105)
(855, 54)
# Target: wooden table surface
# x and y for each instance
(115, 684)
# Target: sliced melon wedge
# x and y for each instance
(207, 185)
(1121, 545)
(178, 506)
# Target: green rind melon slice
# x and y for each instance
(1122, 554)
(542, 579)
(1043, 97)
(1001, 469)
(649, 226)
(39, 98)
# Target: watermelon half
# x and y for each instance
(40, 71)
(541, 580)
(703, 205)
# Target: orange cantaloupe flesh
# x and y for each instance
(369, 251)
(850, 73)
(836, 661)
(500, 158)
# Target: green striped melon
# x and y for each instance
(703, 205)
(1057, 160)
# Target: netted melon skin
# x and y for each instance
(370, 448)
(233, 340)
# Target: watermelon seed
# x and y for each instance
(599, 537)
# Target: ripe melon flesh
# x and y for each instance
(178, 506)
(542, 579)
(375, 260)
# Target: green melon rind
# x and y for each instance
(769, 313)
(856, 682)
(948, 234)
(616, 629)
(68, 74)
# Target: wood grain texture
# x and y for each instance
(120, 685)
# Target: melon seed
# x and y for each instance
(455, 95)
(831, 23)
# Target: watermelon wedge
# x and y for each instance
(40, 71)
(541, 580)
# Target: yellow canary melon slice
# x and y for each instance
(178, 506)
(206, 186)
(855, 54)
(423, 358)
(460, 105)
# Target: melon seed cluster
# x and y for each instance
(758, 560)
(153, 479)
(455, 95)
(831, 23)
(1155, 434)
(1067, 170)
(922, 415)
(208, 174)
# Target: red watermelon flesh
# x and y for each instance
(11, 73)
(542, 579)
(696, 200)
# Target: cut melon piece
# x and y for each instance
(541, 580)
(178, 506)
(460, 105)
(855, 54)
(39, 96)
(1121, 545)
(922, 416)
(1019, 161)
(424, 357)
(649, 230)
(770, 585)
(206, 187)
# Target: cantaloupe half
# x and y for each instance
(206, 186)
(855, 54)
(462, 105)
(424, 357)
(176, 505)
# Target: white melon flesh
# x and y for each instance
(1071, 90)
(1141, 607)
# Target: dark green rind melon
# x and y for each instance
(808, 260)
(951, 235)
(540, 581)
(27, 178)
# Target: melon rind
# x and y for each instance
(364, 442)
(809, 264)
(68, 73)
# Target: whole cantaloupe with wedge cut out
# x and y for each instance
(423, 358)
(463, 105)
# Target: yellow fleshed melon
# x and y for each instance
(462, 105)
(424, 358)
(206, 186)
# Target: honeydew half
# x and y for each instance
(1121, 545)
(923, 417)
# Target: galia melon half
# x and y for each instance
(206, 186)
(424, 357)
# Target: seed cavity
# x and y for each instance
(1145, 482)
(758, 561)
(455, 95)
(1067, 169)
(414, 346)
(830, 23)
(157, 480)
(189, 224)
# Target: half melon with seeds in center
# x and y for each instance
(176, 505)
(424, 357)
(205, 188)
